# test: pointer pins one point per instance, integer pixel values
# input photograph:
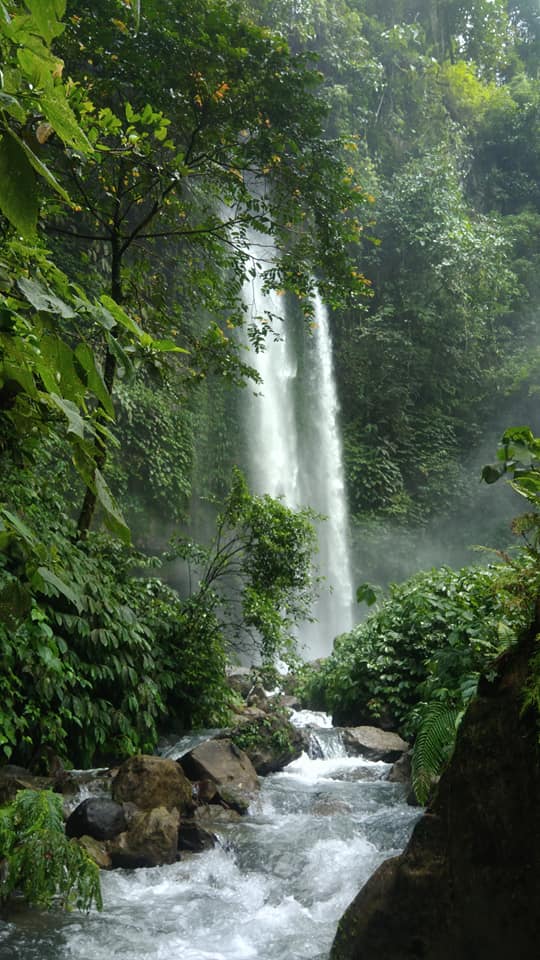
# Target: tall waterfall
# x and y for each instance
(295, 449)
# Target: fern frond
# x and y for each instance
(433, 746)
(39, 860)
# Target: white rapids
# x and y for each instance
(274, 888)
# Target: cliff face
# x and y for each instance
(467, 887)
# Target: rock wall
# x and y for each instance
(467, 887)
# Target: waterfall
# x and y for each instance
(295, 447)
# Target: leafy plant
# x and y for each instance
(38, 859)
(434, 630)
(260, 564)
(435, 737)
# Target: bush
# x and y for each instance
(434, 633)
(38, 859)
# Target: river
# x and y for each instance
(273, 889)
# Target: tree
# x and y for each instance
(235, 122)
(258, 569)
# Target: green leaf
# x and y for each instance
(61, 117)
(43, 171)
(41, 298)
(113, 515)
(49, 576)
(121, 317)
(367, 593)
(167, 346)
(19, 526)
(76, 423)
(12, 106)
(18, 193)
(21, 374)
(95, 381)
(44, 15)
(491, 473)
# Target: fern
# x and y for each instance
(38, 859)
(434, 745)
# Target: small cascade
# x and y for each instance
(295, 447)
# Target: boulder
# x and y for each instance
(193, 838)
(151, 841)
(373, 743)
(270, 741)
(14, 778)
(240, 679)
(222, 762)
(150, 782)
(289, 702)
(468, 883)
(97, 817)
(97, 851)
(215, 814)
(401, 770)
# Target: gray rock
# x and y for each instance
(194, 838)
(150, 782)
(373, 743)
(151, 841)
(97, 817)
(97, 851)
(401, 770)
(222, 762)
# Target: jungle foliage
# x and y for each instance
(38, 861)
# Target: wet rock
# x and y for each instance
(358, 714)
(373, 743)
(97, 817)
(97, 851)
(222, 762)
(194, 838)
(240, 679)
(270, 741)
(205, 791)
(401, 770)
(468, 883)
(215, 813)
(14, 778)
(151, 782)
(233, 799)
(289, 702)
(151, 841)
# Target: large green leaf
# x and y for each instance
(18, 193)
(42, 298)
(45, 17)
(94, 379)
(50, 577)
(122, 318)
(76, 423)
(44, 171)
(61, 117)
(113, 514)
(58, 357)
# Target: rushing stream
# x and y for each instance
(273, 889)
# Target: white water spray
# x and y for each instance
(295, 450)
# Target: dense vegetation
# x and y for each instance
(387, 141)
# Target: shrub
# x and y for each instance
(39, 860)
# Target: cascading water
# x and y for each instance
(295, 448)
(272, 889)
